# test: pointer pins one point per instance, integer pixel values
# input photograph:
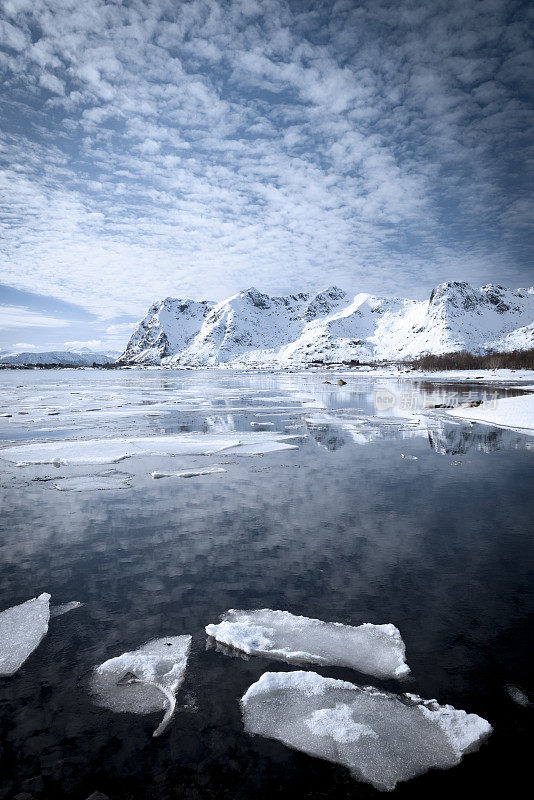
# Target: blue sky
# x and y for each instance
(194, 148)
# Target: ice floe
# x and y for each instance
(110, 451)
(22, 628)
(190, 473)
(86, 483)
(144, 680)
(382, 738)
(373, 649)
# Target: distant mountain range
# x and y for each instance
(251, 328)
(64, 358)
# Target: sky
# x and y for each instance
(194, 148)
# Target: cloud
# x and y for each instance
(120, 329)
(194, 148)
(23, 346)
(52, 83)
(95, 345)
(20, 317)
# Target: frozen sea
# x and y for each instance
(374, 509)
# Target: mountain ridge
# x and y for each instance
(251, 327)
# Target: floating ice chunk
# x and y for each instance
(374, 649)
(64, 608)
(382, 738)
(246, 448)
(110, 451)
(191, 473)
(85, 483)
(21, 629)
(143, 680)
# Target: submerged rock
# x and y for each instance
(518, 696)
(382, 738)
(64, 608)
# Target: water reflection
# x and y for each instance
(334, 530)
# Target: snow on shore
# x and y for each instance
(510, 412)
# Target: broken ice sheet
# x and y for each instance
(110, 451)
(144, 680)
(22, 628)
(374, 649)
(382, 738)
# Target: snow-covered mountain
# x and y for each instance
(254, 328)
(166, 330)
(64, 358)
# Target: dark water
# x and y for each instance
(341, 529)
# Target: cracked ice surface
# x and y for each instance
(22, 628)
(144, 680)
(109, 451)
(374, 649)
(382, 738)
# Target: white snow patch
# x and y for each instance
(374, 649)
(339, 724)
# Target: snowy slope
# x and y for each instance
(63, 358)
(459, 317)
(250, 324)
(254, 328)
(167, 329)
